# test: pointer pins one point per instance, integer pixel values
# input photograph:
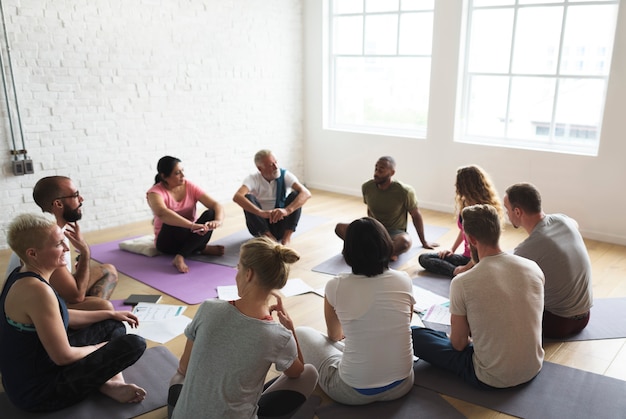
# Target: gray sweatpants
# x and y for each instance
(326, 356)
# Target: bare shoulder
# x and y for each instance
(61, 275)
(27, 296)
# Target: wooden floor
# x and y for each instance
(606, 357)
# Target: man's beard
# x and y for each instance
(72, 215)
(474, 253)
(379, 180)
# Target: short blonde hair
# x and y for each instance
(28, 231)
(268, 260)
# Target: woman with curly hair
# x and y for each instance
(473, 186)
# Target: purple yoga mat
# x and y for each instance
(199, 284)
(119, 305)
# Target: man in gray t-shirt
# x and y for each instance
(555, 243)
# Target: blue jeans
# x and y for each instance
(258, 226)
(433, 263)
(435, 348)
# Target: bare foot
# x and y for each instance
(286, 238)
(213, 250)
(123, 392)
(179, 263)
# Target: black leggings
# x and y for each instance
(181, 240)
(433, 263)
(76, 381)
(275, 404)
(258, 226)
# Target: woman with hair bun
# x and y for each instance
(232, 344)
(473, 186)
(173, 201)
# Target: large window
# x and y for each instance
(535, 73)
(380, 57)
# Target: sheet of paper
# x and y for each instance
(149, 312)
(320, 291)
(424, 299)
(437, 314)
(417, 321)
(227, 292)
(161, 331)
(295, 286)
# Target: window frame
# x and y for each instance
(330, 101)
(554, 143)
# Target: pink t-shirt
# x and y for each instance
(185, 208)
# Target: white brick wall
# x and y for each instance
(107, 87)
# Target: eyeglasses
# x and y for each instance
(74, 195)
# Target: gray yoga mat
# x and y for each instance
(152, 372)
(607, 321)
(608, 315)
(438, 284)
(233, 242)
(307, 410)
(556, 392)
(336, 265)
(418, 403)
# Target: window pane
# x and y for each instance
(531, 107)
(552, 97)
(416, 33)
(348, 35)
(481, 3)
(490, 40)
(418, 4)
(540, 1)
(487, 105)
(588, 41)
(381, 34)
(348, 6)
(382, 92)
(579, 109)
(537, 38)
(381, 6)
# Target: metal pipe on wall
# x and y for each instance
(26, 166)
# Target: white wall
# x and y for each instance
(586, 188)
(107, 87)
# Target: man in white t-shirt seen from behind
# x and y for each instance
(495, 313)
